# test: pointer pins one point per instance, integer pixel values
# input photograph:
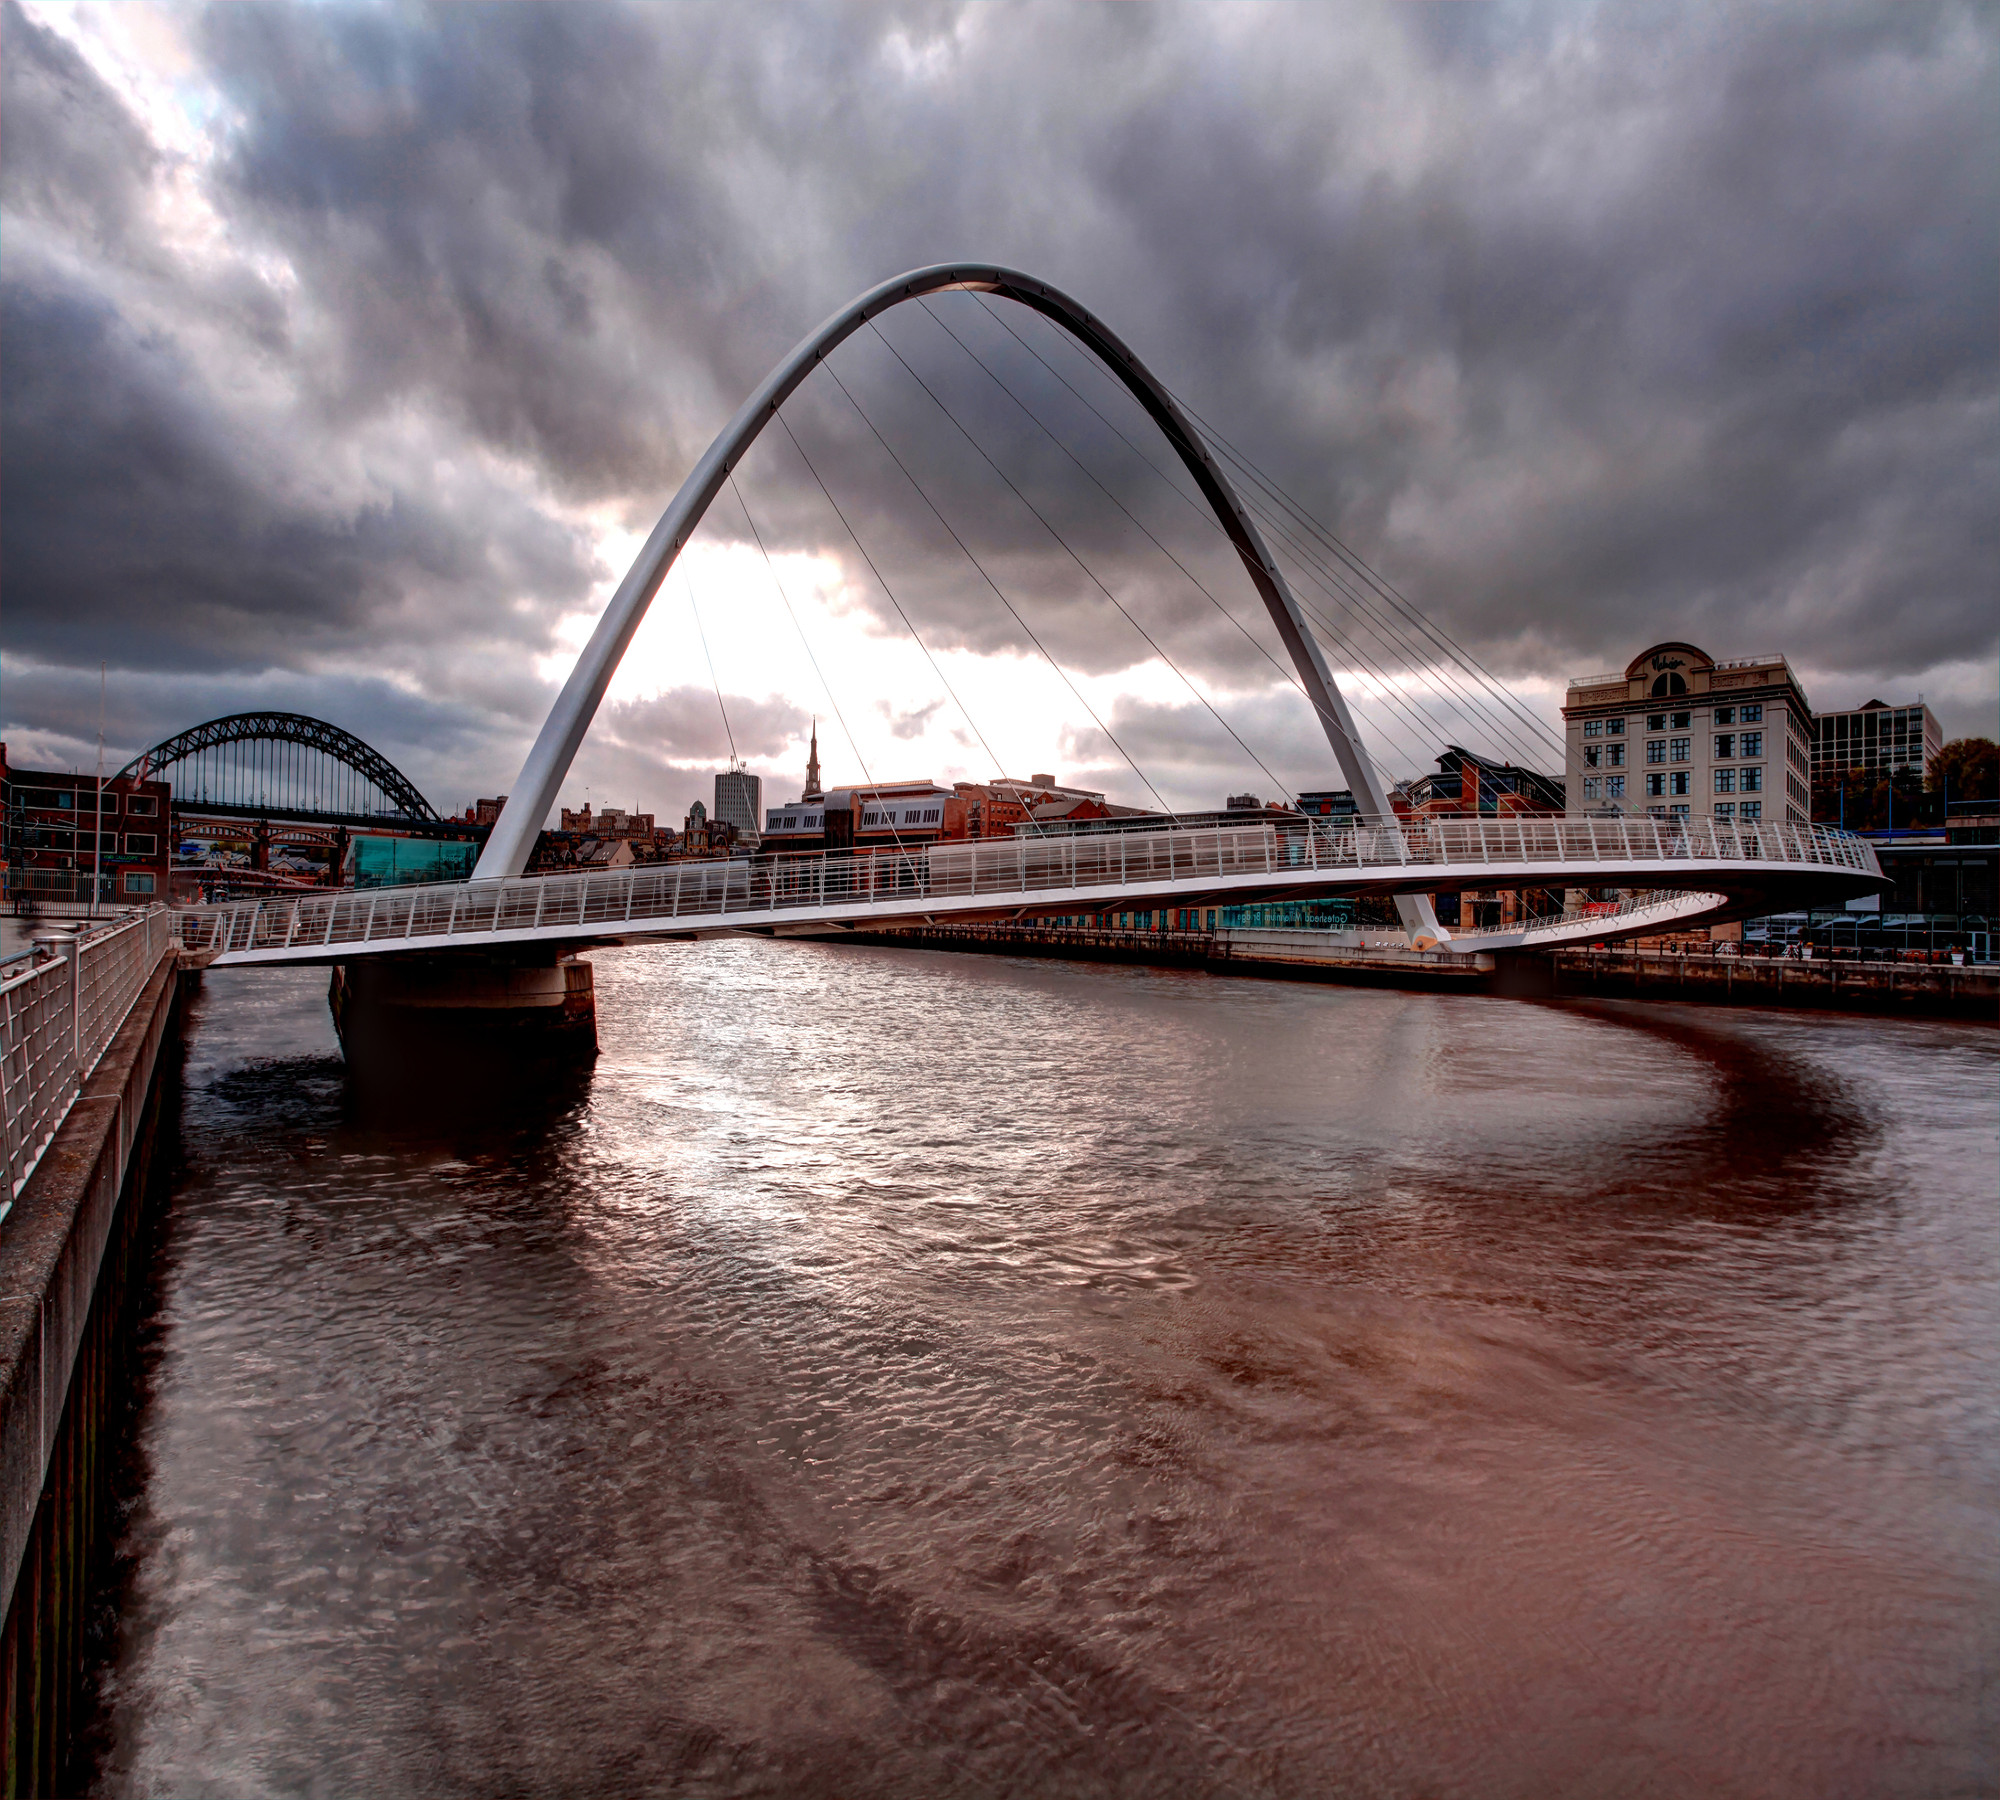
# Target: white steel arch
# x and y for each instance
(541, 778)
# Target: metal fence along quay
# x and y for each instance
(1082, 871)
(60, 1007)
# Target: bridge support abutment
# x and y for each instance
(406, 1012)
(1524, 974)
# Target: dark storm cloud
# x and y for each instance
(1588, 327)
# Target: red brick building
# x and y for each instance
(58, 825)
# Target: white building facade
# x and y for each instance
(1679, 735)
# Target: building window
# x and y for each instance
(1681, 721)
(1753, 715)
(1591, 785)
(1593, 728)
(1656, 750)
(1591, 754)
(1656, 721)
(1725, 744)
(1681, 783)
(1614, 756)
(138, 883)
(1656, 785)
(1753, 781)
(1725, 781)
(1669, 684)
(1614, 787)
(1751, 811)
(48, 799)
(1680, 749)
(1725, 811)
(142, 806)
(1614, 727)
(1677, 812)
(139, 843)
(1725, 715)
(1753, 743)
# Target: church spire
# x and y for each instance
(812, 788)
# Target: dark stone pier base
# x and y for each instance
(433, 1014)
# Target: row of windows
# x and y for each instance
(1751, 713)
(1604, 787)
(1610, 756)
(1749, 812)
(140, 806)
(1731, 781)
(55, 837)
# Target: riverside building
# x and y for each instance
(62, 827)
(1878, 742)
(1678, 734)
(739, 799)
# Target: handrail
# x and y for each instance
(1552, 847)
(57, 1018)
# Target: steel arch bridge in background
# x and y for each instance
(266, 765)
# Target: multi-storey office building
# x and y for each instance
(1877, 741)
(61, 827)
(1679, 735)
(739, 800)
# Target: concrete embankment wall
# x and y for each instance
(68, 1271)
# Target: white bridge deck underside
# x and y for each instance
(1709, 872)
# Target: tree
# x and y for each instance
(1967, 769)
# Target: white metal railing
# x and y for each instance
(963, 875)
(60, 1007)
(1634, 908)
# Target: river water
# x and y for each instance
(890, 1373)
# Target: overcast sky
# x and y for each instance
(348, 352)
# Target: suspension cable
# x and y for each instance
(710, 660)
(825, 685)
(1424, 725)
(964, 710)
(1381, 584)
(1290, 676)
(1004, 601)
(1152, 643)
(1479, 708)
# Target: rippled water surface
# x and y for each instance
(896, 1374)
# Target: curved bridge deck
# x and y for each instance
(1715, 871)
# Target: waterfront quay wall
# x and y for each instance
(1290, 955)
(1934, 990)
(70, 1253)
(1929, 990)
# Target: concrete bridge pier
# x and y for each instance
(1524, 974)
(464, 1008)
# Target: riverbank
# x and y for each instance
(1912, 990)
(69, 1265)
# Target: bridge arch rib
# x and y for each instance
(535, 789)
(291, 728)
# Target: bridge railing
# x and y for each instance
(1096, 863)
(60, 1007)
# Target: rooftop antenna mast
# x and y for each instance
(97, 824)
